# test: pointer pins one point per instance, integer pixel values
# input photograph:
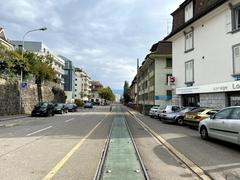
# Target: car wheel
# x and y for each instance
(180, 121)
(204, 133)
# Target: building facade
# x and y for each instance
(206, 53)
(153, 75)
(41, 49)
(69, 79)
(133, 91)
(4, 41)
(96, 87)
(82, 85)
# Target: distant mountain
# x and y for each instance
(118, 91)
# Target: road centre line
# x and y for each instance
(40, 130)
(60, 164)
(69, 120)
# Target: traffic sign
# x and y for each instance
(24, 85)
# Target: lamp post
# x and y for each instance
(21, 73)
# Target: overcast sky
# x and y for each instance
(104, 37)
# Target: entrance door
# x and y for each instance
(234, 98)
(191, 100)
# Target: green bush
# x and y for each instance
(79, 102)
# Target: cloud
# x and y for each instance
(105, 37)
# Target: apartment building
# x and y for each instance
(69, 79)
(96, 87)
(206, 53)
(133, 91)
(42, 49)
(82, 85)
(153, 75)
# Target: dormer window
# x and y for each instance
(188, 11)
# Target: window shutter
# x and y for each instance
(236, 52)
(228, 22)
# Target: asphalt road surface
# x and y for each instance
(69, 146)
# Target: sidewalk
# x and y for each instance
(12, 117)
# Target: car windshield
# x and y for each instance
(59, 105)
(43, 104)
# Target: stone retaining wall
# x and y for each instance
(9, 97)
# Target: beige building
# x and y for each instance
(4, 41)
(153, 75)
(82, 85)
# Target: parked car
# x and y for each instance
(43, 109)
(88, 105)
(167, 109)
(194, 117)
(178, 116)
(72, 107)
(60, 108)
(224, 125)
(153, 111)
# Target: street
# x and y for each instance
(70, 146)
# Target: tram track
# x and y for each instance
(190, 165)
(102, 163)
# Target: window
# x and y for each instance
(75, 84)
(235, 114)
(169, 62)
(224, 114)
(188, 11)
(189, 72)
(169, 93)
(167, 76)
(236, 17)
(236, 59)
(189, 41)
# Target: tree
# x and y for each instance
(11, 63)
(126, 96)
(107, 94)
(41, 68)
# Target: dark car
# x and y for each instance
(177, 117)
(43, 109)
(60, 108)
(72, 107)
(88, 105)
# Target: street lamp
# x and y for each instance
(21, 74)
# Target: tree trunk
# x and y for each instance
(39, 90)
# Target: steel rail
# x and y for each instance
(191, 166)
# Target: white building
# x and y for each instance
(42, 49)
(206, 53)
(4, 40)
(82, 85)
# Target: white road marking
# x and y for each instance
(69, 120)
(40, 130)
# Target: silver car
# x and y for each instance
(153, 111)
(224, 125)
(167, 109)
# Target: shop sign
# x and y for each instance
(221, 87)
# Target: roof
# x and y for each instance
(201, 8)
(162, 47)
